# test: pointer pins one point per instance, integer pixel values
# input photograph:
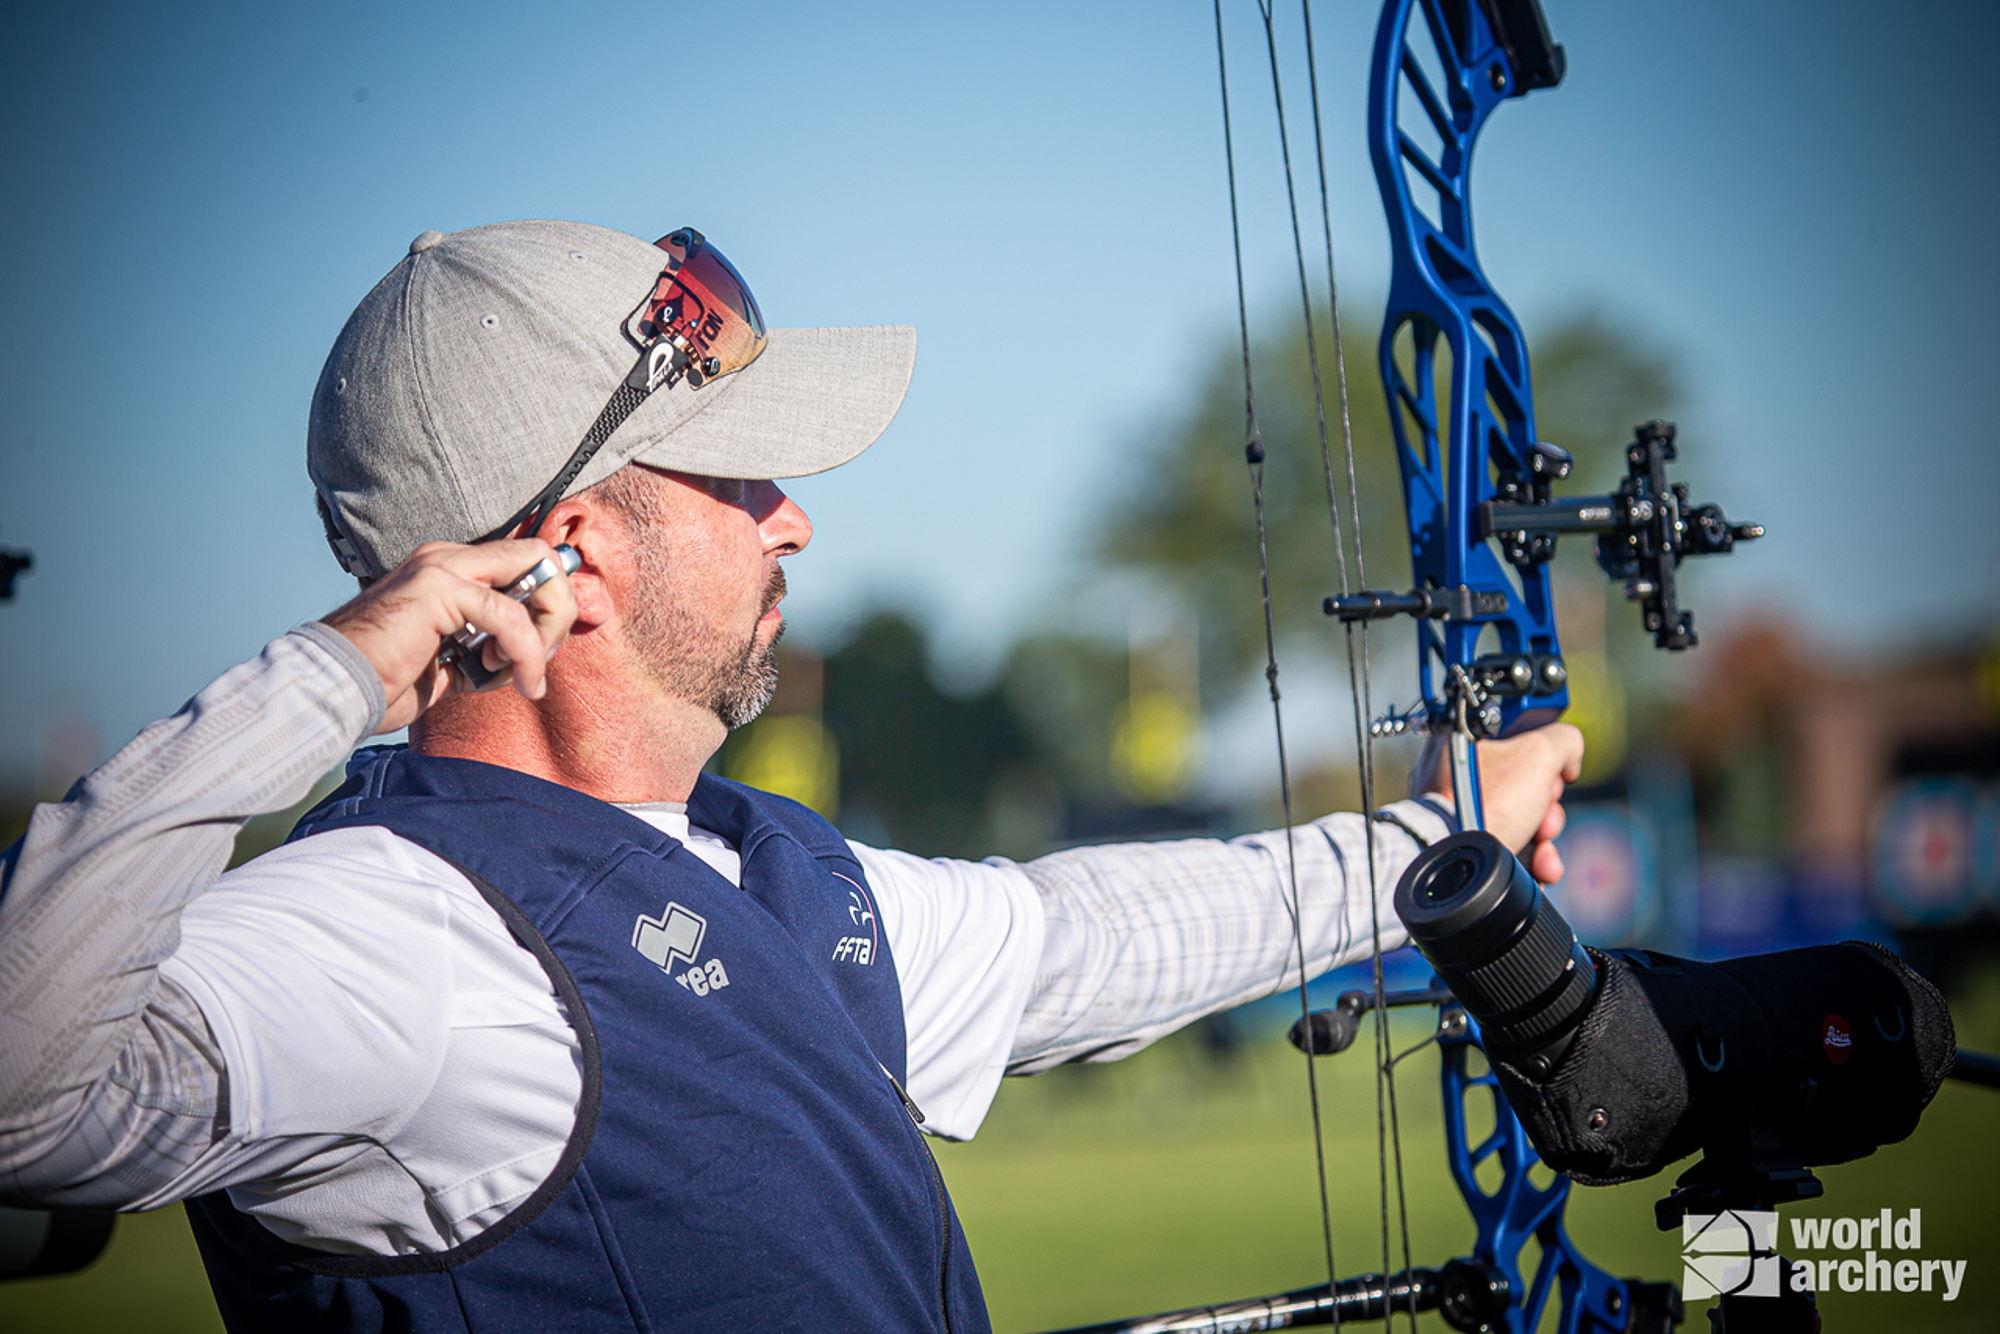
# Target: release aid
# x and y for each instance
(462, 652)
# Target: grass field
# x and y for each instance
(1172, 1180)
(1178, 1177)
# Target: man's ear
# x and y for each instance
(597, 539)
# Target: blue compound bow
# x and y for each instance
(1483, 527)
(1483, 524)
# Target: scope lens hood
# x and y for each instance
(1465, 898)
(1502, 948)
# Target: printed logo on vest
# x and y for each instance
(857, 948)
(675, 937)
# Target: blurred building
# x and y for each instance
(1845, 799)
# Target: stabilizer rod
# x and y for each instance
(1354, 1299)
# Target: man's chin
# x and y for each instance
(752, 691)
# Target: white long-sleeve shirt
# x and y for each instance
(344, 1035)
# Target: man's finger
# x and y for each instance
(514, 641)
(1552, 824)
(400, 622)
(1547, 864)
(1568, 741)
(496, 564)
(553, 608)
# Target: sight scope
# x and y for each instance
(1500, 945)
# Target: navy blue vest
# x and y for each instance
(741, 1159)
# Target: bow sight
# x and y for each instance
(1454, 366)
(1644, 530)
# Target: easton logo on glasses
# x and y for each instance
(699, 322)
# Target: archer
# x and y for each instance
(533, 1021)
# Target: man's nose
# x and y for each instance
(785, 529)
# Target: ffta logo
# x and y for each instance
(1733, 1253)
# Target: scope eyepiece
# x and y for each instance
(1500, 945)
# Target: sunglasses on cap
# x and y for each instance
(698, 323)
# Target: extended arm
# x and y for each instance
(1143, 938)
(1092, 953)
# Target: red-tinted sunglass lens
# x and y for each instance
(705, 304)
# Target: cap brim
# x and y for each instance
(813, 400)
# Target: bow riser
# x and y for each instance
(1517, 1211)
(1438, 293)
(1483, 526)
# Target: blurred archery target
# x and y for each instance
(1609, 889)
(1986, 847)
(1934, 856)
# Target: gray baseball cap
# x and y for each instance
(463, 383)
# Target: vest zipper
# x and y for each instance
(909, 1103)
(937, 1193)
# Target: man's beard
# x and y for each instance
(693, 660)
(754, 678)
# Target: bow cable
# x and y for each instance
(1253, 456)
(1388, 1128)
(1358, 675)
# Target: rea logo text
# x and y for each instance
(674, 937)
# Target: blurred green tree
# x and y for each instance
(919, 767)
(1188, 523)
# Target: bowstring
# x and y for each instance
(1253, 454)
(1364, 702)
(1388, 1130)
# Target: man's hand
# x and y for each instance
(1521, 781)
(401, 621)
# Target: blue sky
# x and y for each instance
(1794, 201)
